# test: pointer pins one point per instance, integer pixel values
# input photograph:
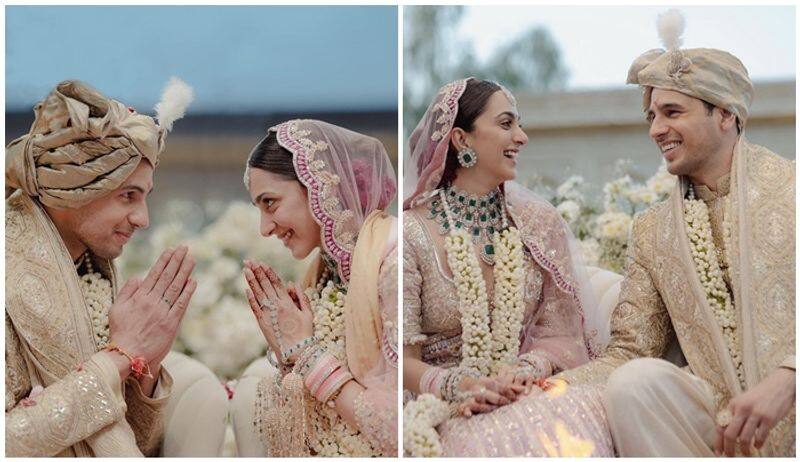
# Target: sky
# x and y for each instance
(598, 43)
(238, 59)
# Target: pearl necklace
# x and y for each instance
(704, 255)
(98, 296)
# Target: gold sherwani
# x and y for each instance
(83, 410)
(661, 298)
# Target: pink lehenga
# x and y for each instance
(560, 329)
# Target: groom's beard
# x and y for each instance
(107, 245)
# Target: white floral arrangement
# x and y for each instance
(218, 328)
(602, 231)
(420, 418)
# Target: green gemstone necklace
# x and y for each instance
(480, 216)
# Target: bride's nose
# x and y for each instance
(267, 225)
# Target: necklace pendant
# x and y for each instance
(487, 254)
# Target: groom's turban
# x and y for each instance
(714, 76)
(82, 145)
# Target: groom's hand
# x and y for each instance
(755, 412)
(144, 319)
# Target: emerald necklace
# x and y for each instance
(479, 215)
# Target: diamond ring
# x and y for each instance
(724, 417)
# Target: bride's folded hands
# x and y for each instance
(517, 379)
(283, 312)
(484, 394)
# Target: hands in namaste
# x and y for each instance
(283, 312)
(144, 319)
(755, 412)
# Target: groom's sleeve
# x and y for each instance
(68, 411)
(146, 414)
(640, 323)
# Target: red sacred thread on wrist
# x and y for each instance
(139, 366)
(544, 384)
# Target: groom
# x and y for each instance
(83, 364)
(713, 267)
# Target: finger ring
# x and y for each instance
(268, 303)
(724, 417)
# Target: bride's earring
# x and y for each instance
(467, 157)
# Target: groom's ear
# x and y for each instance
(459, 138)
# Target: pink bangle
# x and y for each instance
(334, 382)
(329, 373)
(431, 381)
(323, 368)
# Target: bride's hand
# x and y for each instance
(294, 314)
(485, 395)
(515, 381)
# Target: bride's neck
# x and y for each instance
(474, 184)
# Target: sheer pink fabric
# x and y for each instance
(429, 142)
(569, 303)
(348, 176)
(543, 231)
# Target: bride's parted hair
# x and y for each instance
(270, 156)
(470, 106)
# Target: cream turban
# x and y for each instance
(83, 145)
(714, 76)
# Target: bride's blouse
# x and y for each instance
(431, 316)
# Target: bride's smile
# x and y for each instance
(283, 205)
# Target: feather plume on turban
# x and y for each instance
(714, 76)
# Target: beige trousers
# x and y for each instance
(196, 414)
(656, 409)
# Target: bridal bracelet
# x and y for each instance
(443, 383)
(138, 364)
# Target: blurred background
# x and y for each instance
(567, 68)
(589, 151)
(251, 67)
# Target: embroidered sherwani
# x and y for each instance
(83, 410)
(662, 300)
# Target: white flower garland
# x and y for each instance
(327, 302)
(483, 348)
(704, 254)
(420, 418)
(99, 297)
(508, 301)
(476, 338)
(332, 436)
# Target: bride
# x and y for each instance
(333, 339)
(494, 295)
